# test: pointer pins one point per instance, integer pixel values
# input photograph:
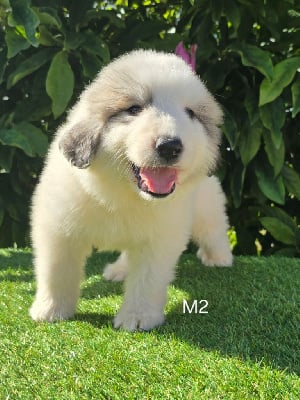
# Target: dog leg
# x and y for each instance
(58, 268)
(210, 225)
(146, 290)
(118, 270)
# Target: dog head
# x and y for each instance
(149, 118)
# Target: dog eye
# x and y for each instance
(190, 113)
(134, 110)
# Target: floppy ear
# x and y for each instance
(80, 143)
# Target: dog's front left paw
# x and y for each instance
(138, 321)
(116, 271)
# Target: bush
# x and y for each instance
(248, 55)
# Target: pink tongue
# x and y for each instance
(158, 180)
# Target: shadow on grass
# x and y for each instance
(94, 284)
(95, 319)
(253, 308)
(15, 265)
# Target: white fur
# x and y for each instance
(100, 204)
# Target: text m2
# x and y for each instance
(195, 307)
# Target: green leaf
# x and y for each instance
(251, 104)
(249, 142)
(283, 75)
(48, 16)
(6, 158)
(273, 117)
(15, 138)
(15, 43)
(275, 155)
(24, 15)
(291, 180)
(3, 64)
(73, 40)
(280, 214)
(29, 65)
(233, 13)
(296, 97)
(36, 138)
(279, 230)
(94, 45)
(237, 184)
(253, 56)
(45, 37)
(60, 83)
(272, 188)
(230, 130)
(91, 65)
(201, 27)
(26, 137)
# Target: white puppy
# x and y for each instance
(129, 171)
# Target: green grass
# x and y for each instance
(246, 347)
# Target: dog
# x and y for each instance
(130, 170)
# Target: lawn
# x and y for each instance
(247, 345)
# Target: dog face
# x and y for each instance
(150, 118)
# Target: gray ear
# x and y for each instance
(80, 143)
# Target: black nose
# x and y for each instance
(169, 148)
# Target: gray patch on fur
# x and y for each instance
(80, 144)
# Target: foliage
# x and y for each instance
(248, 55)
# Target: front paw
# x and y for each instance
(131, 320)
(220, 258)
(116, 271)
(50, 312)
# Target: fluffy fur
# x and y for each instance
(129, 171)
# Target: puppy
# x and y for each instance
(129, 171)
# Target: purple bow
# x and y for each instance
(188, 56)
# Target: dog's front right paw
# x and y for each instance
(218, 257)
(138, 321)
(43, 311)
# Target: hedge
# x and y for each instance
(248, 55)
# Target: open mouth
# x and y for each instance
(158, 182)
